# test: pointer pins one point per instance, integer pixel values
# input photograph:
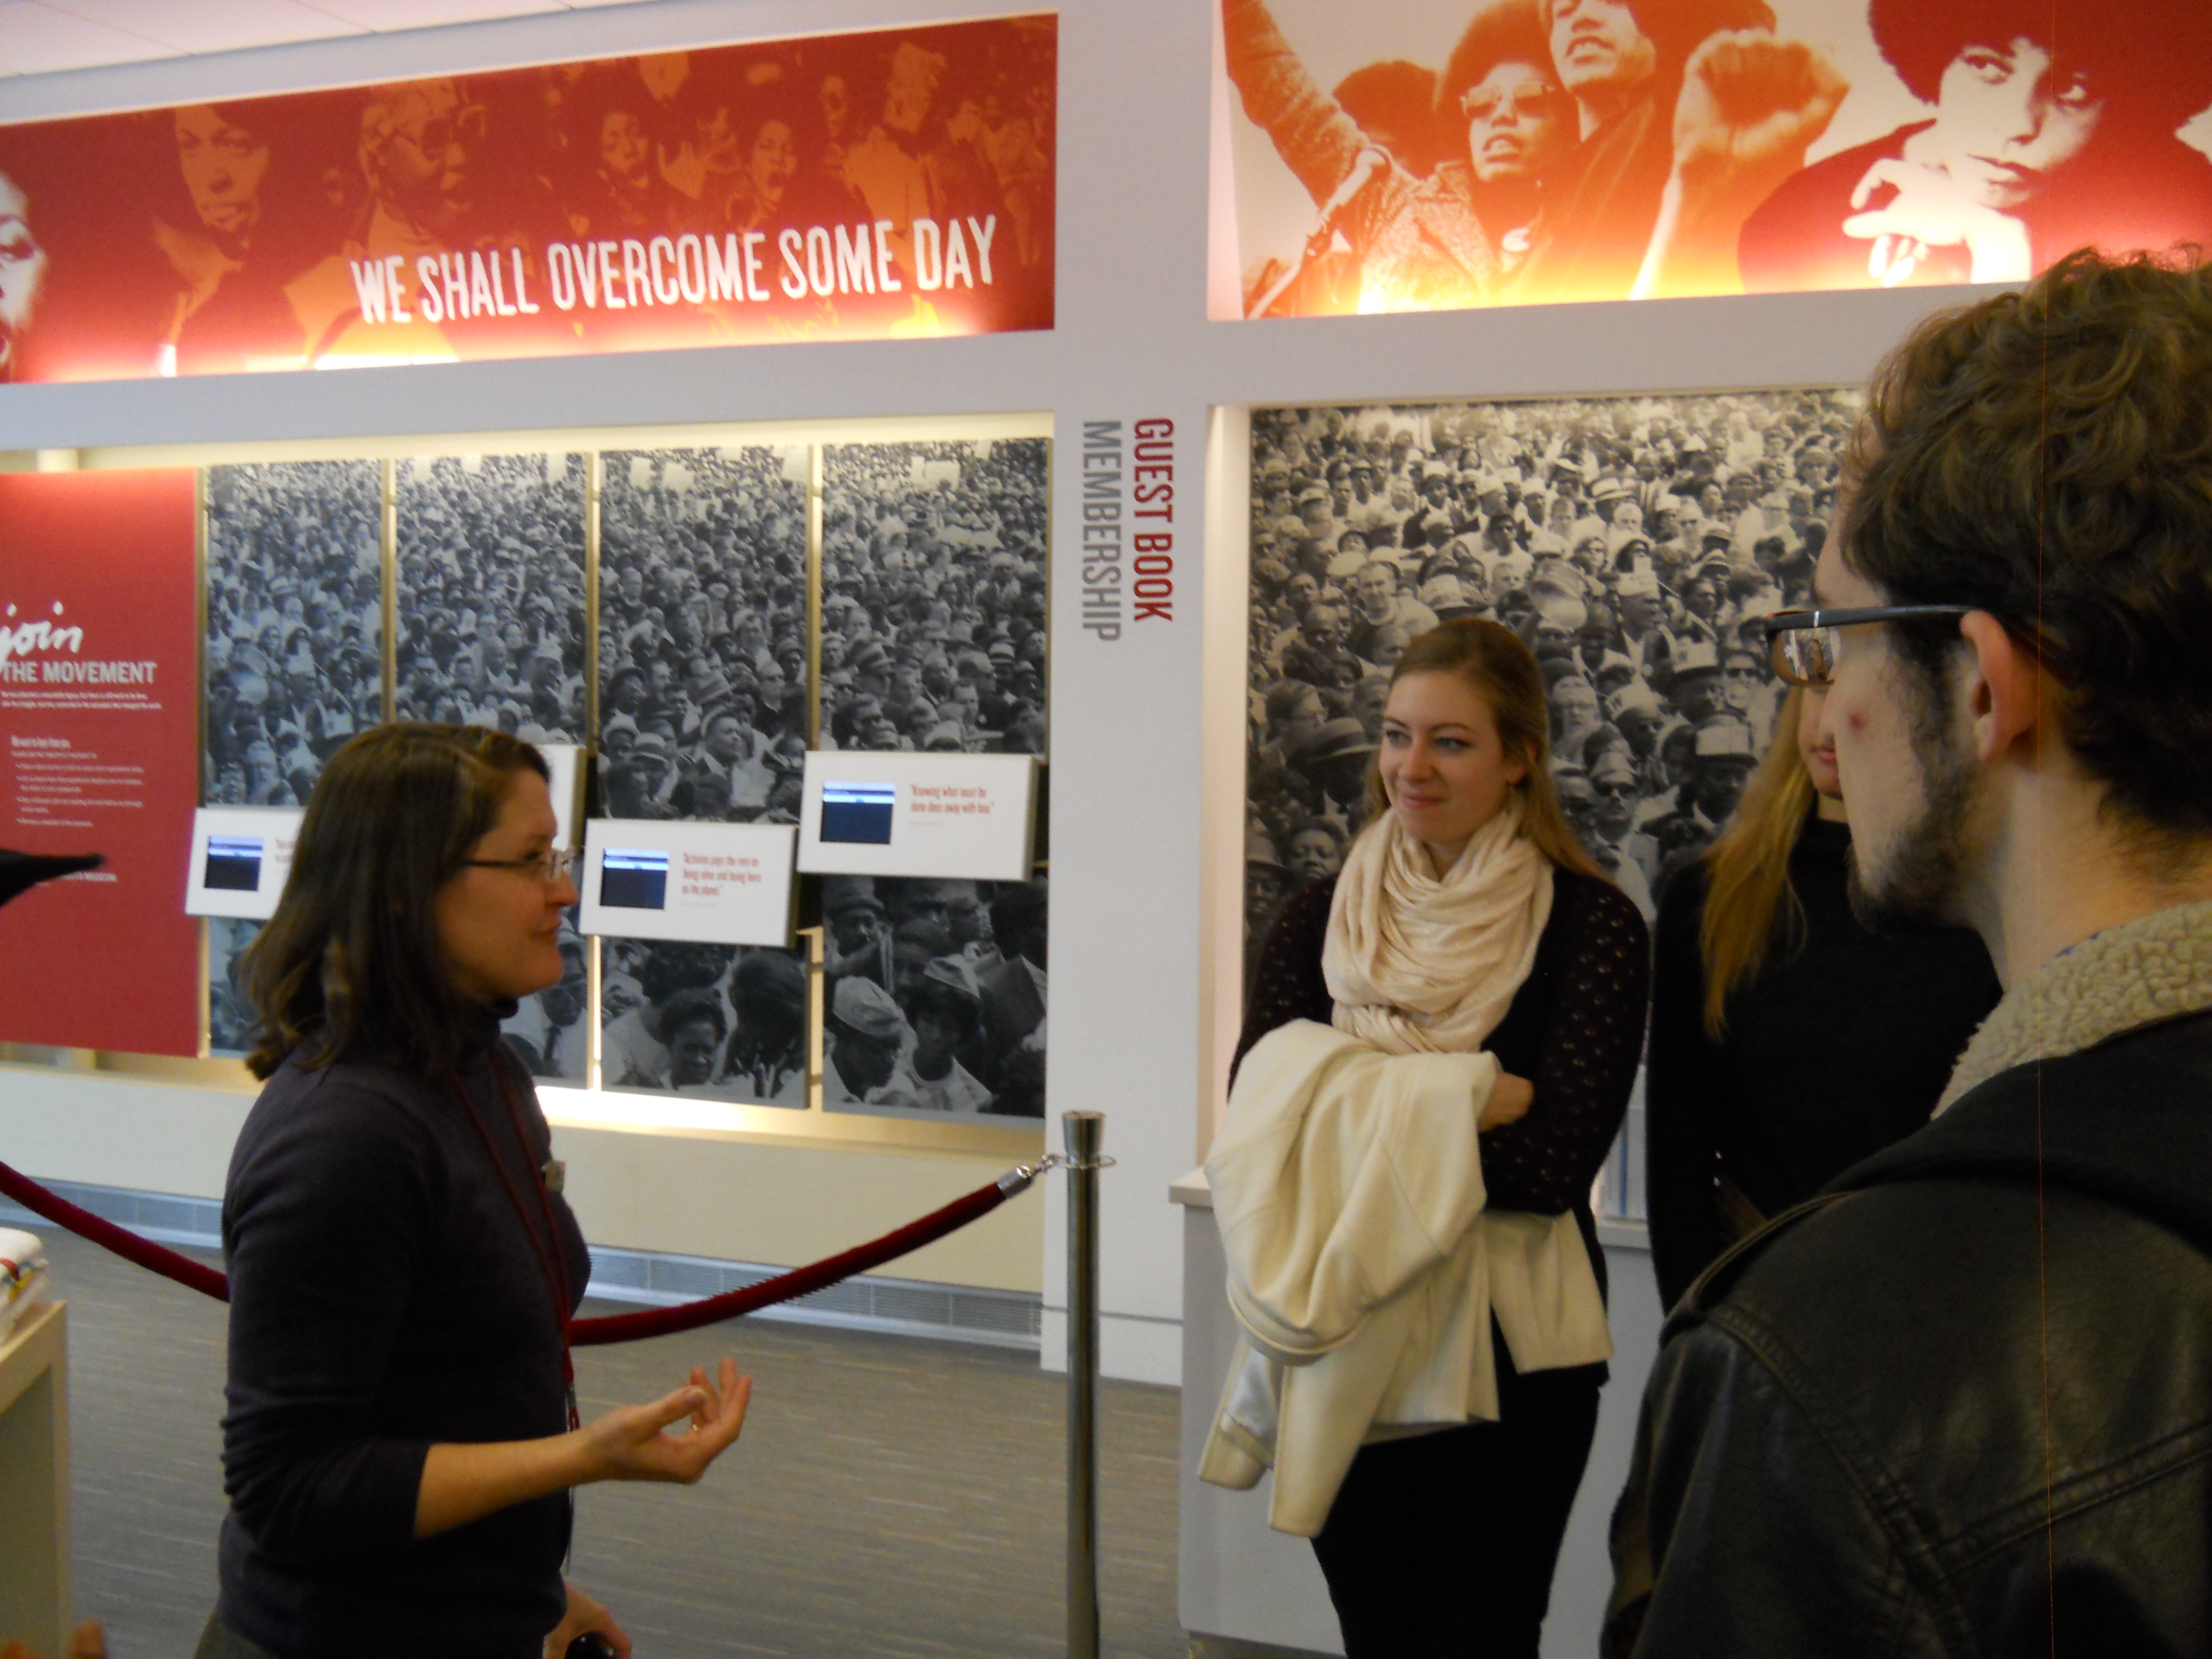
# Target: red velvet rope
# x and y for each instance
(583, 1333)
(109, 1236)
(663, 1321)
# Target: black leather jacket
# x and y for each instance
(1959, 1405)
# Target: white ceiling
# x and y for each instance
(40, 37)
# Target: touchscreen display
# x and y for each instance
(633, 880)
(858, 812)
(233, 864)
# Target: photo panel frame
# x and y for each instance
(488, 574)
(717, 1021)
(292, 637)
(934, 997)
(935, 584)
(703, 632)
(703, 650)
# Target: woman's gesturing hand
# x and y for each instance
(1511, 1097)
(630, 1442)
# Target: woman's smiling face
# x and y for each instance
(500, 927)
(1444, 768)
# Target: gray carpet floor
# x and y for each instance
(892, 1496)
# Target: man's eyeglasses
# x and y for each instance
(1804, 644)
(551, 868)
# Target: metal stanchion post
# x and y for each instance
(1083, 1134)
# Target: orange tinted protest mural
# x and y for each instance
(1436, 154)
(854, 186)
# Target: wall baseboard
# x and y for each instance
(895, 1306)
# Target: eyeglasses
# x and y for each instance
(552, 868)
(1804, 644)
(435, 135)
(1530, 96)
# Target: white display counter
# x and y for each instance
(35, 1480)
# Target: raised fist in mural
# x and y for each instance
(1750, 107)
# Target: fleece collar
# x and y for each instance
(2156, 967)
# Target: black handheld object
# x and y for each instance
(591, 1645)
(21, 871)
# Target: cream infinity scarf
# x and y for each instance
(1420, 964)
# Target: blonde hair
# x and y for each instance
(1750, 905)
(1490, 659)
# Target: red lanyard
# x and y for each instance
(547, 1250)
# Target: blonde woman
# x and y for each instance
(1437, 1054)
(1788, 1043)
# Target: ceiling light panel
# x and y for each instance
(38, 39)
(207, 26)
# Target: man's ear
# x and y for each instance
(2005, 688)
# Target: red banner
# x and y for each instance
(99, 730)
(1438, 154)
(854, 186)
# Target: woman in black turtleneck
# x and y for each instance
(1788, 1043)
(402, 1433)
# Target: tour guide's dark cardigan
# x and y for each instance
(384, 1297)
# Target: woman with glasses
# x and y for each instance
(1788, 1043)
(1436, 241)
(403, 1434)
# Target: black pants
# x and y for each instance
(1441, 1546)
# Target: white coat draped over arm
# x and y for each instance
(1362, 1269)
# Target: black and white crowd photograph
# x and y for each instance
(934, 997)
(488, 613)
(229, 1012)
(294, 641)
(934, 638)
(933, 596)
(727, 1022)
(1635, 544)
(702, 634)
(934, 583)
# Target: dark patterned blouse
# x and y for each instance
(1575, 1030)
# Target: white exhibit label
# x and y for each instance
(240, 856)
(963, 817)
(711, 883)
